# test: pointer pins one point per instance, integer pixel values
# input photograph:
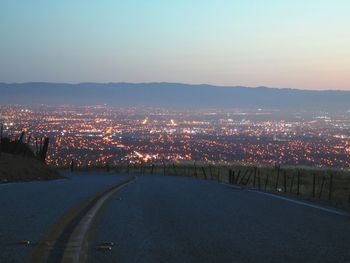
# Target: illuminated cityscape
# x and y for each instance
(96, 135)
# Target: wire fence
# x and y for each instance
(321, 184)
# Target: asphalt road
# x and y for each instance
(28, 210)
(177, 219)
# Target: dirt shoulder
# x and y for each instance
(17, 168)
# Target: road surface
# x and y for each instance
(179, 219)
(28, 210)
(173, 219)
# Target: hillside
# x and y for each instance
(172, 95)
(17, 168)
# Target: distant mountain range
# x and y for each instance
(172, 95)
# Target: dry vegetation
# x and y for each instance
(18, 168)
(329, 186)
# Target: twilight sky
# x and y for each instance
(277, 43)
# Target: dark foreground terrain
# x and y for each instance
(18, 168)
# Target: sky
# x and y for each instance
(276, 43)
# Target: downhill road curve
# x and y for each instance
(179, 219)
(29, 210)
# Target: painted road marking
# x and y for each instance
(76, 247)
(326, 209)
(51, 246)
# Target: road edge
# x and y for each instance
(84, 212)
(76, 248)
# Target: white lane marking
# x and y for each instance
(326, 209)
(74, 251)
(5, 184)
(232, 186)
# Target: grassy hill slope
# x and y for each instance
(17, 168)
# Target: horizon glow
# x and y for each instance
(286, 44)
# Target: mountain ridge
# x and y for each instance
(172, 95)
(170, 83)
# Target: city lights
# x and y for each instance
(95, 135)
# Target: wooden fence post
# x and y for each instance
(250, 175)
(330, 187)
(237, 177)
(1, 133)
(36, 147)
(266, 181)
(174, 169)
(291, 184)
(72, 165)
(278, 177)
(205, 175)
(44, 149)
(321, 190)
(254, 178)
(20, 139)
(313, 185)
(298, 187)
(210, 171)
(41, 144)
(244, 175)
